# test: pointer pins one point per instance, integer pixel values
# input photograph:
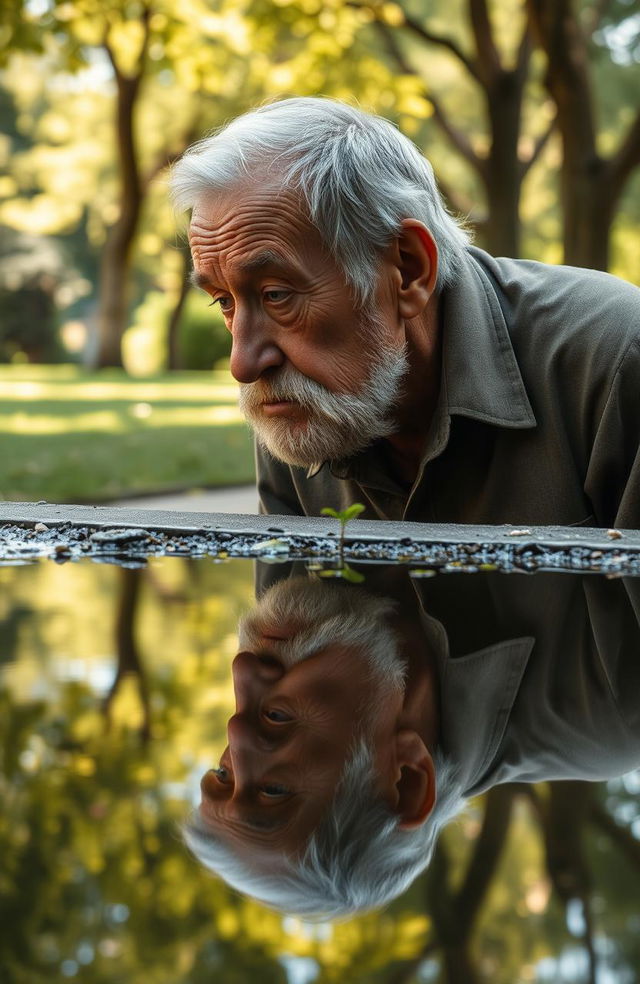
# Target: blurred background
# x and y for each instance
(113, 373)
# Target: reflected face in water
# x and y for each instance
(312, 676)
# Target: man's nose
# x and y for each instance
(246, 744)
(252, 675)
(253, 348)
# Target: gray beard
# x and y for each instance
(338, 425)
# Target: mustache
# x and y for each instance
(287, 384)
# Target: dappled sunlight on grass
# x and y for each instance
(113, 422)
(32, 423)
(72, 436)
(70, 383)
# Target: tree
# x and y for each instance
(501, 79)
(591, 182)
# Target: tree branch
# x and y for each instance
(627, 157)
(405, 973)
(457, 137)
(487, 851)
(146, 31)
(621, 836)
(430, 37)
(488, 60)
(525, 48)
(538, 147)
(598, 11)
(461, 203)
(106, 44)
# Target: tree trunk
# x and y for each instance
(454, 914)
(113, 305)
(503, 177)
(129, 661)
(173, 326)
(588, 209)
(501, 172)
(590, 185)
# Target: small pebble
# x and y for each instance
(40, 528)
(519, 533)
(614, 534)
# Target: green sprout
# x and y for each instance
(344, 516)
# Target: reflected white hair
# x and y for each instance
(358, 175)
(327, 614)
(357, 859)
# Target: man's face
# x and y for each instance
(301, 703)
(319, 378)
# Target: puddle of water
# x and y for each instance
(116, 689)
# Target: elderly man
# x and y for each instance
(383, 359)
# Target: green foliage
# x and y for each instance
(27, 324)
(203, 338)
(31, 271)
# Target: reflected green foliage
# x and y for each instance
(95, 882)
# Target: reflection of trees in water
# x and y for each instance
(93, 867)
(569, 819)
(127, 607)
(128, 654)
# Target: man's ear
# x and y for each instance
(416, 259)
(414, 795)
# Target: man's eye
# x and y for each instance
(223, 302)
(276, 295)
(277, 717)
(274, 789)
(221, 774)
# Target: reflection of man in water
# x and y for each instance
(325, 798)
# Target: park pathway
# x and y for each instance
(235, 499)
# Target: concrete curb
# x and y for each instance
(74, 529)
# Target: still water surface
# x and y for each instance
(116, 687)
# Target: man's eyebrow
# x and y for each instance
(264, 823)
(197, 279)
(265, 258)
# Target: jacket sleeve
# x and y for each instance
(276, 491)
(613, 476)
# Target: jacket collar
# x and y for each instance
(479, 367)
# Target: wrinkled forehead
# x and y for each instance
(257, 836)
(265, 193)
(254, 226)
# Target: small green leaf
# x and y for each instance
(348, 574)
(328, 511)
(354, 510)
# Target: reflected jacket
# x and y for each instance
(538, 415)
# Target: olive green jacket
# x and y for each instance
(538, 418)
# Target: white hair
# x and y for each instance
(328, 614)
(357, 859)
(358, 175)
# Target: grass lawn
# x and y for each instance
(71, 436)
